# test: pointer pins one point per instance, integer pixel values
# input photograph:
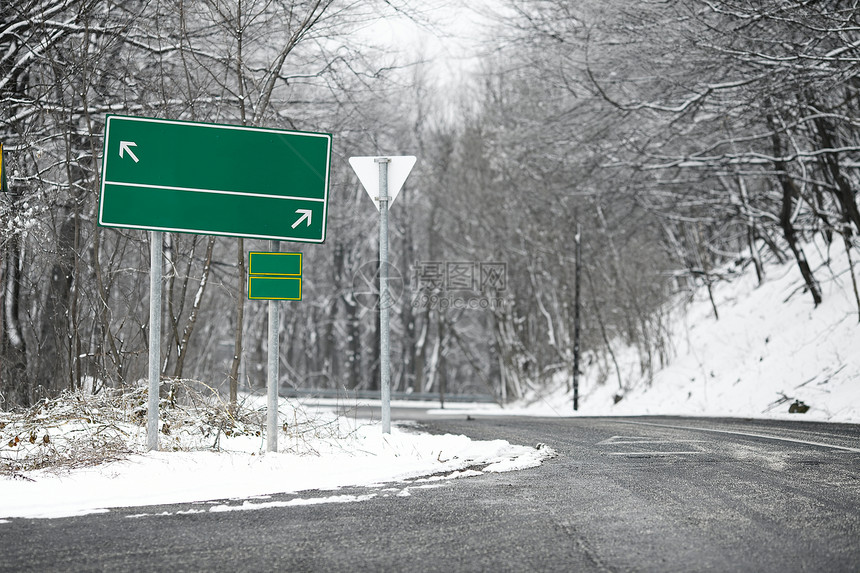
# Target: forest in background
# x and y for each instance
(679, 135)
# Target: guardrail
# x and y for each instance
(333, 393)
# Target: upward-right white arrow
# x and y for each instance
(306, 216)
(367, 170)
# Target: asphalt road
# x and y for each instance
(624, 494)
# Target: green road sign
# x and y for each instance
(275, 276)
(275, 264)
(212, 179)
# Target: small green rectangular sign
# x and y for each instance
(274, 288)
(275, 276)
(213, 179)
(275, 264)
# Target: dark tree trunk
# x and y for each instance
(13, 358)
(789, 193)
(843, 193)
(182, 349)
(331, 346)
(240, 317)
(55, 327)
(407, 315)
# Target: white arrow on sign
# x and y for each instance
(125, 147)
(306, 216)
(367, 170)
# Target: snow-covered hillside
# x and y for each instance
(769, 348)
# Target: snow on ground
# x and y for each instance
(329, 453)
(770, 347)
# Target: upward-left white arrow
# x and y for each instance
(125, 147)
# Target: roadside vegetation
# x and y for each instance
(77, 429)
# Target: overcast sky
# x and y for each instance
(449, 32)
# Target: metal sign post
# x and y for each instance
(384, 296)
(382, 178)
(155, 272)
(272, 380)
(274, 276)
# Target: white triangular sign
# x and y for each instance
(367, 170)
